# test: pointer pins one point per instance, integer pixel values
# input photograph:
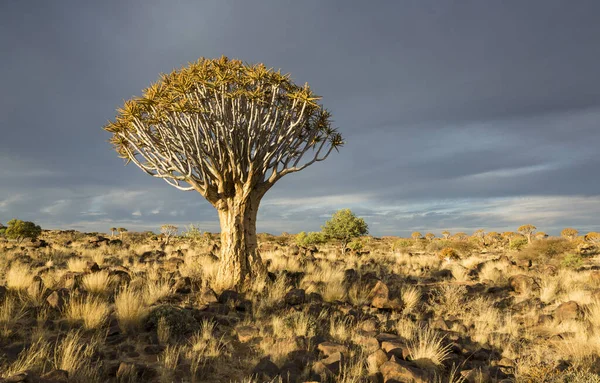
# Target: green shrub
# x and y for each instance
(464, 248)
(193, 232)
(180, 321)
(518, 244)
(21, 230)
(356, 245)
(344, 226)
(313, 238)
(401, 244)
(572, 261)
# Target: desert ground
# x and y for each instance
(77, 307)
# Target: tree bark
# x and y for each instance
(239, 258)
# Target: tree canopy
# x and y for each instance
(345, 225)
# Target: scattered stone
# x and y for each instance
(567, 311)
(57, 299)
(522, 284)
(229, 295)
(246, 333)
(376, 359)
(56, 376)
(295, 297)
(329, 348)
(183, 285)
(397, 370)
(380, 297)
(265, 369)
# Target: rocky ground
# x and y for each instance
(80, 307)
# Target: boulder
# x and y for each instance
(522, 284)
(567, 311)
(265, 369)
(246, 333)
(57, 299)
(329, 348)
(380, 297)
(295, 297)
(397, 370)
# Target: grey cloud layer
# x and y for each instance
(451, 110)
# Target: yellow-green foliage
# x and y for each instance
(448, 253)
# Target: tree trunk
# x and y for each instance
(240, 261)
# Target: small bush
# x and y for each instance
(313, 238)
(402, 244)
(180, 321)
(21, 230)
(356, 245)
(448, 253)
(518, 244)
(572, 261)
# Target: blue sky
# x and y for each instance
(457, 115)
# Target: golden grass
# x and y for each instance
(428, 347)
(92, 310)
(19, 277)
(32, 358)
(411, 297)
(98, 283)
(77, 265)
(156, 290)
(73, 354)
(130, 309)
(10, 315)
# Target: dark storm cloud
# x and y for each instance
(457, 114)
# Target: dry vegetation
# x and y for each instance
(83, 308)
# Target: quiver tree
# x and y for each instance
(429, 236)
(527, 231)
(416, 235)
(121, 231)
(112, 231)
(168, 231)
(569, 233)
(229, 131)
(446, 234)
(480, 233)
(592, 237)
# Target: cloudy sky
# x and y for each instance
(458, 115)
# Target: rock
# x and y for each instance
(128, 371)
(207, 296)
(440, 324)
(396, 370)
(36, 287)
(330, 365)
(366, 340)
(476, 375)
(376, 359)
(567, 311)
(153, 349)
(265, 369)
(246, 333)
(522, 284)
(295, 297)
(395, 348)
(56, 376)
(57, 299)
(329, 348)
(380, 298)
(183, 285)
(3, 292)
(229, 295)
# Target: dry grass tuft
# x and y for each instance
(92, 310)
(428, 347)
(98, 283)
(19, 277)
(130, 310)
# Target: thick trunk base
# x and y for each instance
(240, 262)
